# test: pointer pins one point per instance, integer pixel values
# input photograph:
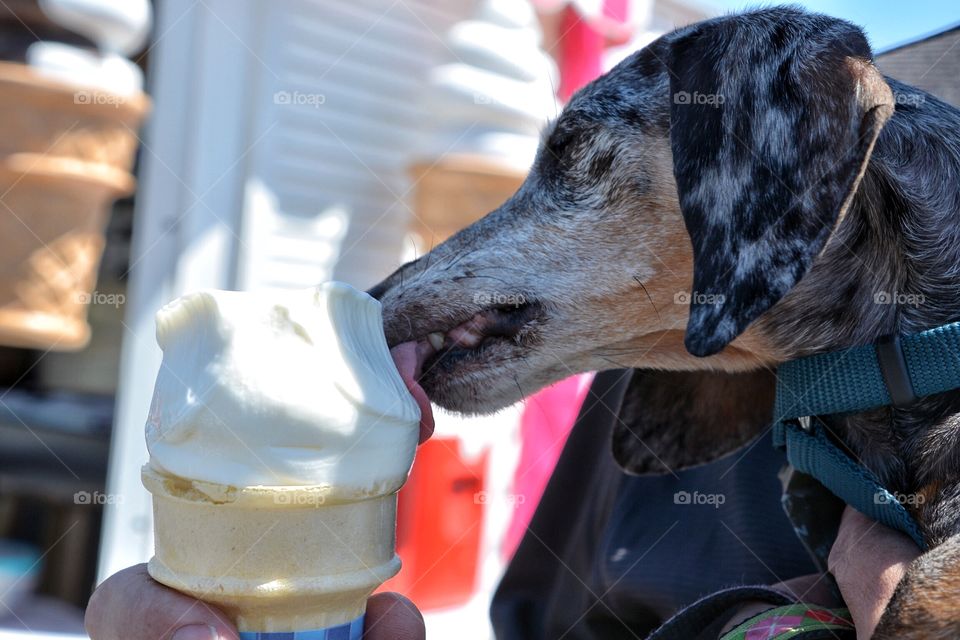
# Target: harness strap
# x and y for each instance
(812, 452)
(853, 379)
(894, 371)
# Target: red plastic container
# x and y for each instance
(440, 526)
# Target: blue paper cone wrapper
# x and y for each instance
(349, 631)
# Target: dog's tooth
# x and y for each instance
(465, 336)
(471, 340)
(436, 340)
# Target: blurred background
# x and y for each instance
(148, 149)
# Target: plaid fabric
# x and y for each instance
(794, 621)
(349, 631)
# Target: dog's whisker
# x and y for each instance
(458, 258)
(474, 275)
(429, 255)
(639, 282)
(519, 388)
(616, 364)
(413, 243)
(503, 268)
(613, 351)
(409, 324)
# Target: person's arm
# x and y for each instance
(130, 605)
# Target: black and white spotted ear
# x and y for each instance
(773, 117)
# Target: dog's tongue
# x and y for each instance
(409, 358)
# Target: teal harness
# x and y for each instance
(893, 371)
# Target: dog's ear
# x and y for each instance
(773, 116)
(671, 420)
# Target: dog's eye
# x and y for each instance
(560, 138)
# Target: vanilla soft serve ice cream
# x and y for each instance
(289, 388)
(279, 434)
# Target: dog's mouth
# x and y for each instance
(437, 359)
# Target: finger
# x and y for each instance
(130, 605)
(853, 519)
(868, 560)
(853, 525)
(861, 539)
(390, 616)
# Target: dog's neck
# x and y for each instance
(892, 266)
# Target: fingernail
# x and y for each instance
(196, 632)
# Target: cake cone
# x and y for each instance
(274, 559)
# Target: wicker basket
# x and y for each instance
(65, 156)
(457, 191)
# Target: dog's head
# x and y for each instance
(674, 201)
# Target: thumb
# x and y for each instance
(130, 605)
(390, 616)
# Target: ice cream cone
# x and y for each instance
(274, 559)
(279, 434)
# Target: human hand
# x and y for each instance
(868, 560)
(130, 605)
(812, 589)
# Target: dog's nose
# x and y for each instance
(377, 290)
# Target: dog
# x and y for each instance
(741, 192)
